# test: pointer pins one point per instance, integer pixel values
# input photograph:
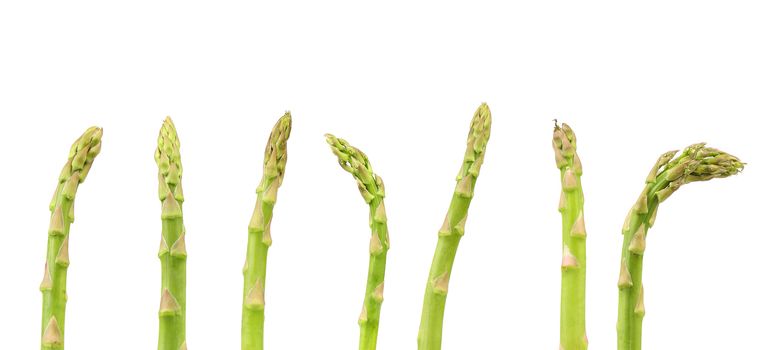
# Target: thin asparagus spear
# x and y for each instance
(574, 235)
(451, 231)
(53, 286)
(696, 163)
(372, 189)
(172, 249)
(259, 237)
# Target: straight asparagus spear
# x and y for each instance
(172, 249)
(451, 231)
(372, 189)
(696, 163)
(574, 235)
(54, 284)
(259, 237)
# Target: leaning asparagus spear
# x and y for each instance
(372, 189)
(78, 164)
(259, 238)
(451, 231)
(696, 163)
(574, 235)
(172, 249)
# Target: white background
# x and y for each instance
(401, 81)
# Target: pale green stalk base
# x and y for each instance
(259, 236)
(54, 284)
(372, 301)
(431, 322)
(254, 285)
(573, 334)
(372, 190)
(696, 163)
(172, 249)
(435, 299)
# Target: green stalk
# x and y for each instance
(573, 335)
(451, 231)
(372, 189)
(172, 249)
(259, 237)
(54, 284)
(696, 163)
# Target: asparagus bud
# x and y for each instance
(372, 190)
(574, 263)
(172, 249)
(54, 284)
(452, 229)
(695, 163)
(259, 237)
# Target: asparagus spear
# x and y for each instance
(574, 235)
(259, 237)
(53, 286)
(172, 249)
(372, 189)
(451, 231)
(696, 163)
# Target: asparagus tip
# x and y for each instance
(697, 162)
(279, 136)
(480, 127)
(355, 162)
(564, 141)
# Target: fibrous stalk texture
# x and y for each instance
(372, 190)
(695, 163)
(54, 284)
(172, 249)
(452, 229)
(259, 236)
(574, 235)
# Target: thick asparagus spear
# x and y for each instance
(53, 286)
(372, 189)
(259, 237)
(172, 249)
(696, 163)
(451, 231)
(574, 235)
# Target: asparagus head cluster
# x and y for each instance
(574, 235)
(372, 190)
(172, 249)
(259, 237)
(429, 337)
(695, 163)
(54, 284)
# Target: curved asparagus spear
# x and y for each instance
(451, 231)
(53, 286)
(259, 238)
(696, 163)
(172, 249)
(372, 189)
(574, 235)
